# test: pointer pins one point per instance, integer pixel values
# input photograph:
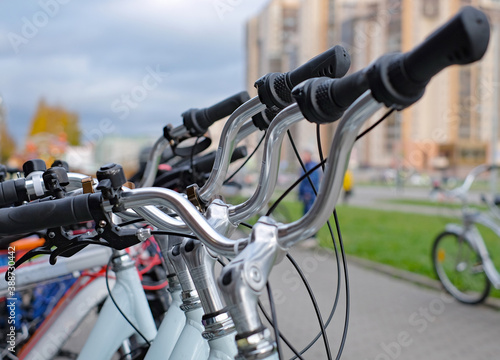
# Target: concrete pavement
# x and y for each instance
(389, 318)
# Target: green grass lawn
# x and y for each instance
(398, 239)
(401, 240)
(439, 204)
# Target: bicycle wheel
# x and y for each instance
(460, 268)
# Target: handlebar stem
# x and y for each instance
(244, 279)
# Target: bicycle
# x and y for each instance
(460, 256)
(395, 80)
(196, 122)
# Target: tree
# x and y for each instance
(57, 121)
(7, 144)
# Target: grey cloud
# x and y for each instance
(91, 52)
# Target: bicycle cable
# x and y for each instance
(131, 222)
(246, 160)
(116, 305)
(341, 244)
(321, 163)
(133, 351)
(287, 191)
(161, 232)
(191, 159)
(269, 320)
(275, 320)
(313, 298)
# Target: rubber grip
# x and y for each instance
(275, 89)
(462, 40)
(46, 214)
(197, 121)
(324, 100)
(333, 63)
(13, 192)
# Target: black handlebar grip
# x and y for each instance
(13, 192)
(399, 80)
(39, 215)
(275, 89)
(462, 40)
(325, 100)
(197, 121)
(333, 63)
(3, 172)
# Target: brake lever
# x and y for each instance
(60, 243)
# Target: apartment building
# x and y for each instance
(451, 128)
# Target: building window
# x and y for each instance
(464, 126)
(392, 131)
(430, 8)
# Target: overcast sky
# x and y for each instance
(137, 63)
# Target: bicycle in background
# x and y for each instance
(459, 255)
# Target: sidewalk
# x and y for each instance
(389, 318)
(379, 197)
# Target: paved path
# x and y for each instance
(379, 197)
(389, 318)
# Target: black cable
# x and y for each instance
(275, 320)
(161, 232)
(276, 203)
(268, 318)
(246, 160)
(299, 180)
(116, 305)
(347, 292)
(311, 295)
(285, 340)
(133, 351)
(191, 160)
(246, 225)
(293, 186)
(375, 124)
(341, 243)
(132, 222)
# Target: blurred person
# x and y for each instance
(306, 191)
(347, 186)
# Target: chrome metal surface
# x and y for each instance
(143, 234)
(331, 184)
(156, 216)
(35, 187)
(121, 261)
(246, 130)
(190, 298)
(226, 146)
(256, 346)
(201, 263)
(138, 198)
(270, 165)
(217, 326)
(148, 178)
(245, 277)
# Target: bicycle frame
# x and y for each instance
(65, 319)
(130, 297)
